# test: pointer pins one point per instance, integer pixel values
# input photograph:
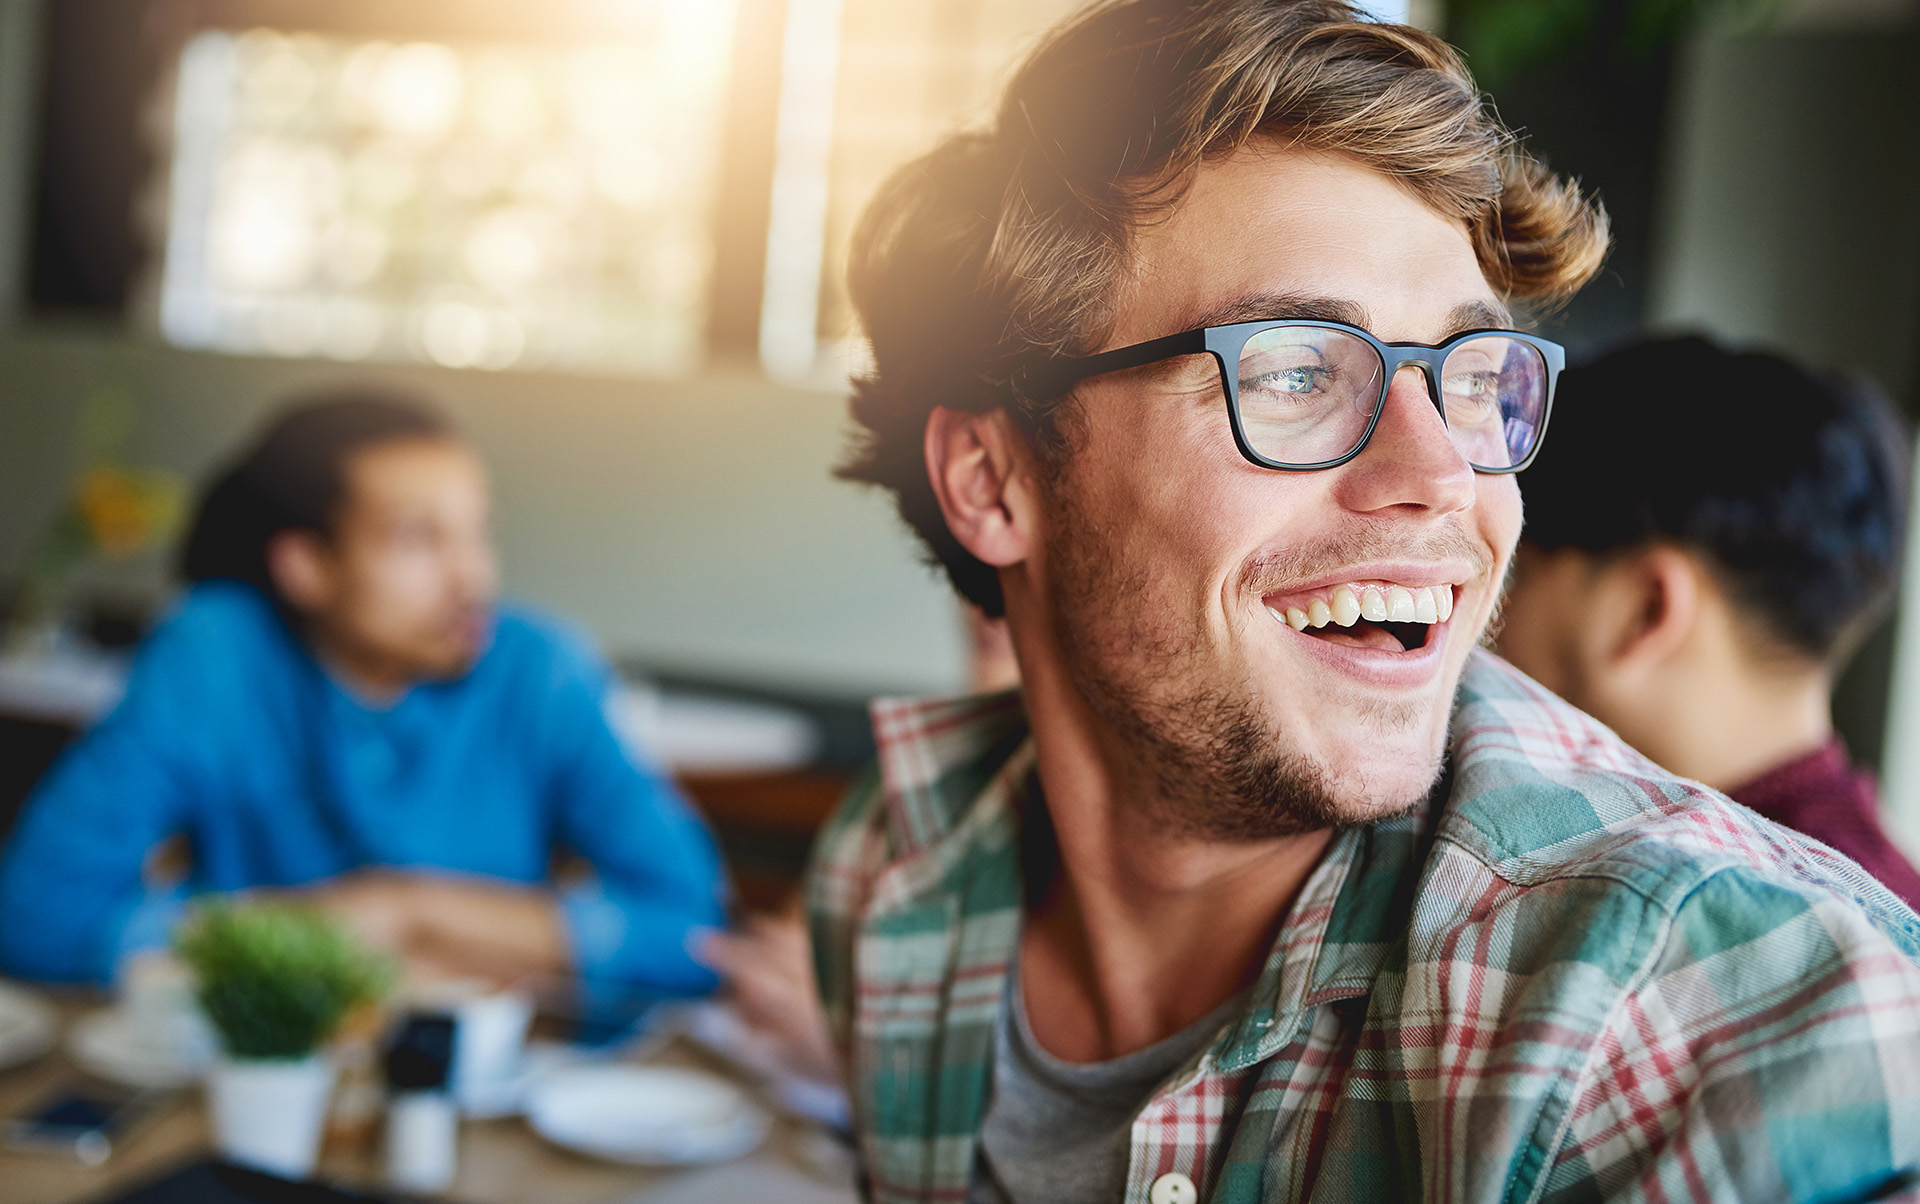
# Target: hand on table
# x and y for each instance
(768, 964)
(449, 927)
(378, 906)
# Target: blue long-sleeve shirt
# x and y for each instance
(233, 736)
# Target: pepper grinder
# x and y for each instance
(423, 1123)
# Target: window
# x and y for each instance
(507, 202)
(908, 73)
(478, 206)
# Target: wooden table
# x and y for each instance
(501, 1161)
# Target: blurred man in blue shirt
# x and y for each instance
(338, 707)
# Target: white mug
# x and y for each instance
(489, 1037)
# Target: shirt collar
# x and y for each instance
(1337, 933)
(937, 756)
(1823, 779)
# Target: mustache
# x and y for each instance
(1272, 571)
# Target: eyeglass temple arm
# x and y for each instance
(1050, 378)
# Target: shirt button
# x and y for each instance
(1173, 1189)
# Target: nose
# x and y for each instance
(1411, 461)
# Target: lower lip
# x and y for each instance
(1409, 669)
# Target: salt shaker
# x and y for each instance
(423, 1123)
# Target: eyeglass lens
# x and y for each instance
(1308, 393)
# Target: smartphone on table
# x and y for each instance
(82, 1118)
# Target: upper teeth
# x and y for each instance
(1348, 604)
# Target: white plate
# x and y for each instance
(27, 1026)
(719, 1029)
(646, 1115)
(116, 1045)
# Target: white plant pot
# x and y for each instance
(270, 1113)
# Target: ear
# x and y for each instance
(301, 568)
(1667, 595)
(980, 468)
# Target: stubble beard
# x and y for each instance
(1220, 766)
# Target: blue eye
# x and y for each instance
(1470, 384)
(1292, 380)
(1473, 397)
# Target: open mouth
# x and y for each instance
(1377, 615)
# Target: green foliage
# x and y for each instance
(277, 980)
(1503, 38)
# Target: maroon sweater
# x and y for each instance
(1824, 796)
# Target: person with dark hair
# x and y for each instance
(1697, 593)
(1196, 363)
(338, 707)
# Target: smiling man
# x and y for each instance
(1268, 885)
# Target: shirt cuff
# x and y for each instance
(596, 928)
(617, 938)
(626, 959)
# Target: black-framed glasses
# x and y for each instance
(1304, 394)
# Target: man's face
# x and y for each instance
(408, 578)
(1170, 561)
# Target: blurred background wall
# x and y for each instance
(693, 526)
(662, 449)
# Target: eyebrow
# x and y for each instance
(1255, 307)
(1478, 315)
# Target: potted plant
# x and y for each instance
(275, 981)
(116, 511)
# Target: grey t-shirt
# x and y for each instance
(1061, 1132)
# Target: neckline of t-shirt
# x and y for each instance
(1146, 1065)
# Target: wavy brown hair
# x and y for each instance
(1009, 240)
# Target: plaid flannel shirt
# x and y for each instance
(1579, 978)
